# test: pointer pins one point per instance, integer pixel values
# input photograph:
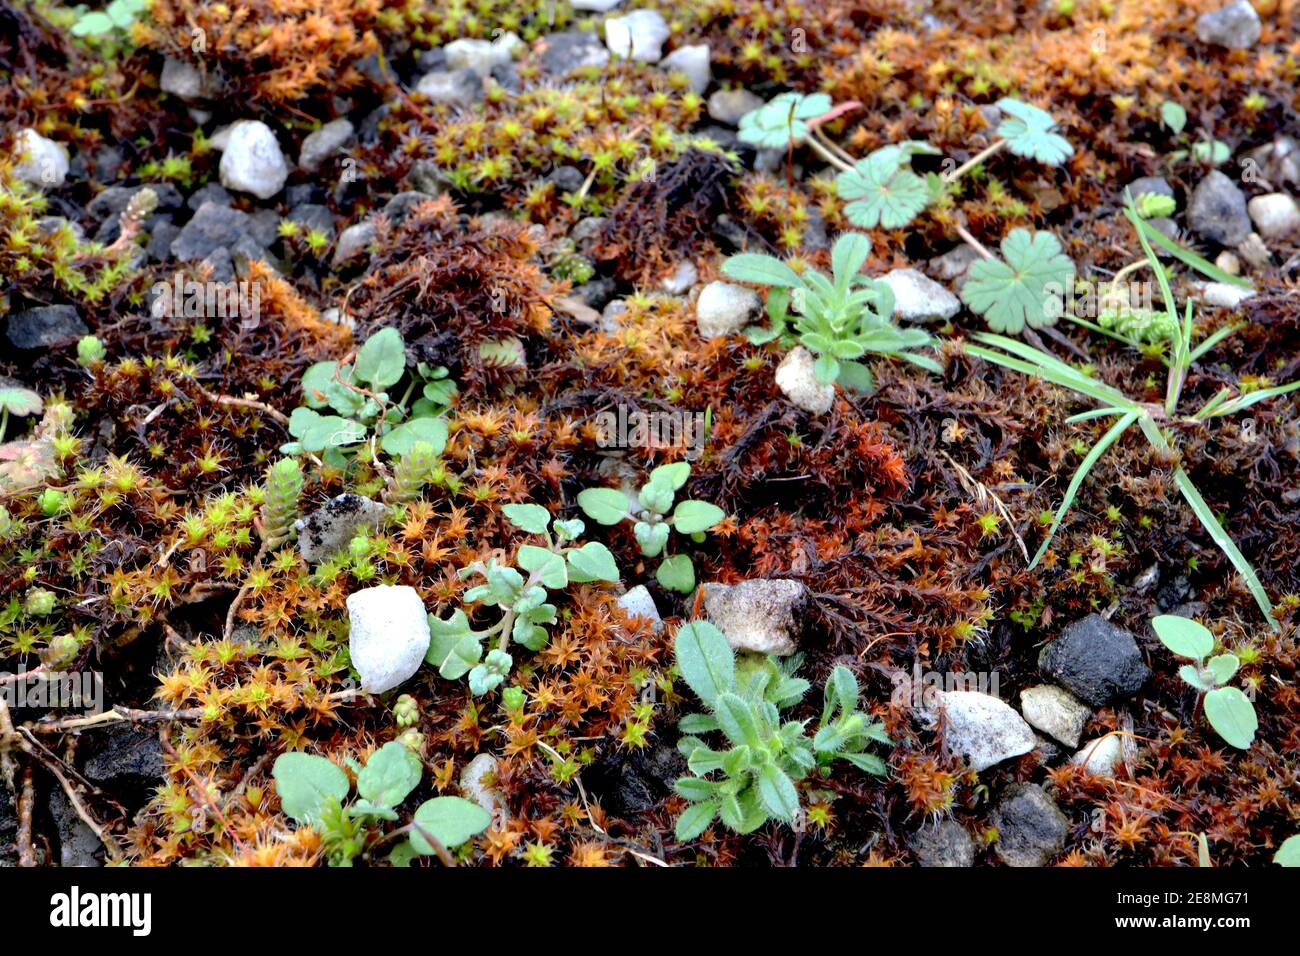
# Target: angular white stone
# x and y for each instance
(983, 728)
(693, 61)
(918, 298)
(1055, 711)
(252, 161)
(1101, 756)
(797, 381)
(389, 635)
(481, 55)
(724, 309)
(638, 35)
(1275, 215)
(756, 615)
(41, 162)
(638, 603)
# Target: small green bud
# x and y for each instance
(512, 699)
(39, 602)
(406, 711)
(90, 350)
(61, 652)
(52, 501)
(412, 740)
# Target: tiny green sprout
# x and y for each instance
(653, 515)
(840, 319)
(90, 351)
(1229, 711)
(457, 649)
(1155, 205)
(52, 502)
(754, 777)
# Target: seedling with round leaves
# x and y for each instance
(314, 792)
(754, 778)
(839, 319)
(18, 401)
(356, 392)
(1229, 711)
(783, 120)
(457, 648)
(1152, 419)
(653, 515)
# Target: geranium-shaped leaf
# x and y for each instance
(1031, 133)
(1232, 716)
(20, 401)
(1014, 290)
(882, 190)
(783, 119)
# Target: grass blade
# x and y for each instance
(1250, 398)
(1075, 382)
(1213, 340)
(1226, 545)
(1186, 256)
(1095, 413)
(1085, 466)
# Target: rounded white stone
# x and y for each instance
(389, 635)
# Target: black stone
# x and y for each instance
(1031, 827)
(211, 227)
(1096, 661)
(46, 326)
